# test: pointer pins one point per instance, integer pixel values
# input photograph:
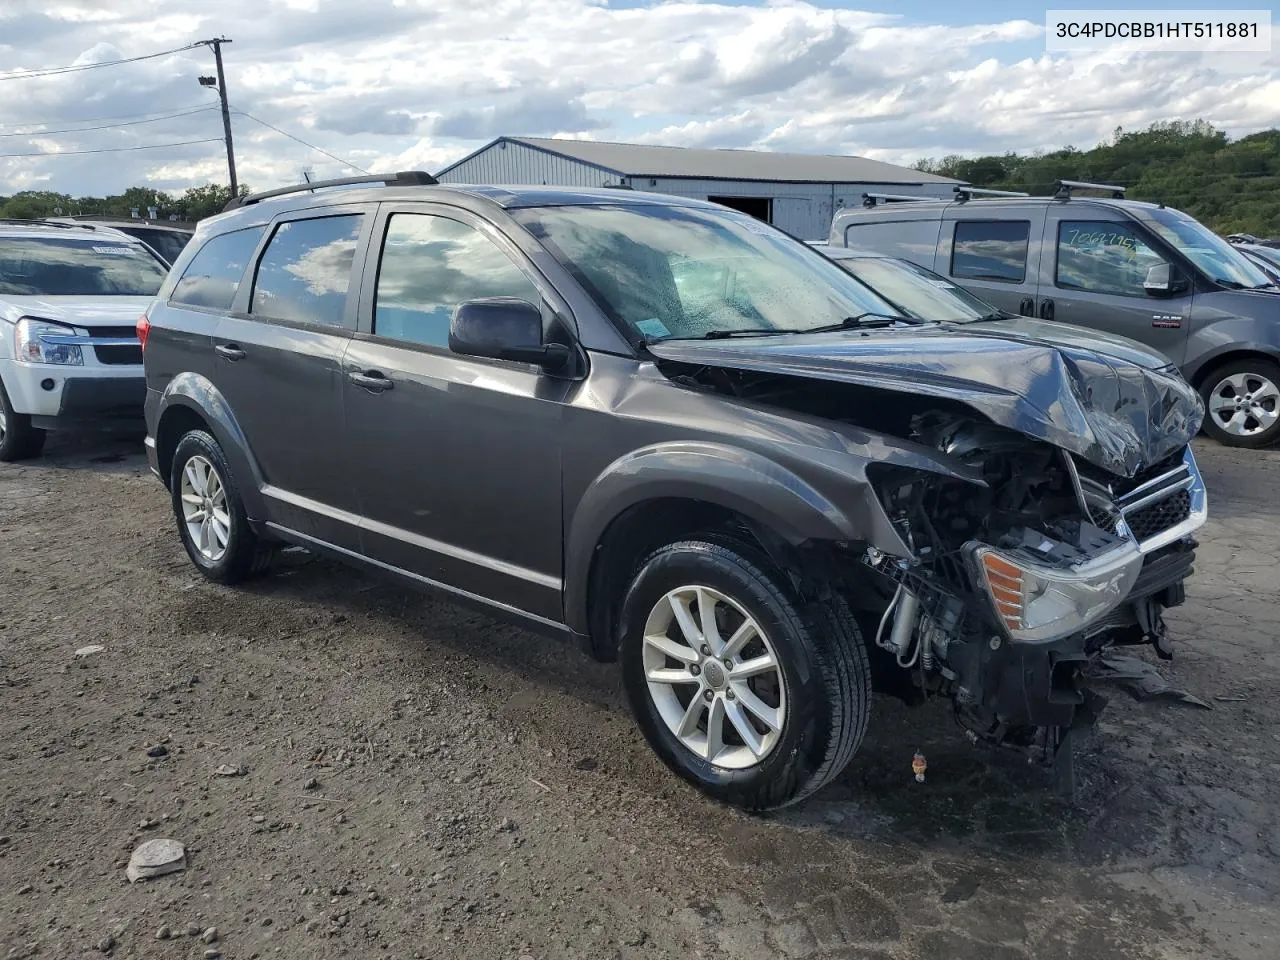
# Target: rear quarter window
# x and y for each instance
(213, 276)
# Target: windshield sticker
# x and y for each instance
(653, 327)
(114, 251)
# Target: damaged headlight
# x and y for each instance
(1037, 601)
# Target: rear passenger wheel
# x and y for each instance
(19, 440)
(1242, 403)
(210, 514)
(754, 698)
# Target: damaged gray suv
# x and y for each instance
(687, 441)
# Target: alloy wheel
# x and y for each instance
(204, 509)
(1245, 404)
(4, 424)
(714, 677)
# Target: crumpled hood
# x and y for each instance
(77, 311)
(1113, 413)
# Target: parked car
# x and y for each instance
(1266, 258)
(688, 441)
(919, 293)
(1140, 270)
(70, 297)
(165, 237)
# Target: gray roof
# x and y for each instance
(644, 160)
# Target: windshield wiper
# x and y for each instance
(861, 320)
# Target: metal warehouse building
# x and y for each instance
(797, 192)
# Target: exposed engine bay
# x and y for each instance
(1015, 587)
(1018, 574)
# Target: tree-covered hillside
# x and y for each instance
(195, 204)
(1232, 186)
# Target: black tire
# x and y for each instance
(245, 554)
(823, 664)
(1254, 370)
(19, 440)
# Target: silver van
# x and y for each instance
(1142, 270)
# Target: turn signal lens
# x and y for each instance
(1005, 582)
(143, 328)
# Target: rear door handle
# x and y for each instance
(371, 380)
(1027, 307)
(229, 351)
(1046, 309)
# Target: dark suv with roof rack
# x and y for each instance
(686, 440)
(1142, 270)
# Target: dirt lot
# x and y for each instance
(425, 782)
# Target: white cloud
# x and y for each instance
(394, 84)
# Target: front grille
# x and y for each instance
(116, 356)
(114, 333)
(1147, 521)
(1150, 472)
(119, 355)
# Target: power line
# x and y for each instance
(345, 163)
(106, 126)
(120, 116)
(77, 67)
(76, 153)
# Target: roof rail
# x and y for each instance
(964, 194)
(1064, 188)
(870, 199)
(39, 222)
(405, 178)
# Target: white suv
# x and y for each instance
(70, 299)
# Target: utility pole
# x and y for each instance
(221, 84)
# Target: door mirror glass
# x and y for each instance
(503, 328)
(1159, 280)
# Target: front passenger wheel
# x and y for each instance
(755, 697)
(19, 440)
(1242, 403)
(210, 514)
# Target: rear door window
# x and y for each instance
(214, 273)
(305, 272)
(991, 250)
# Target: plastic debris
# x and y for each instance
(227, 770)
(1141, 679)
(919, 766)
(155, 858)
(90, 650)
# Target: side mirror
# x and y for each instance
(1163, 281)
(504, 328)
(1158, 280)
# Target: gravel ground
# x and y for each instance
(420, 781)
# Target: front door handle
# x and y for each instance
(371, 380)
(1046, 309)
(1027, 307)
(229, 351)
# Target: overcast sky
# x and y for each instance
(416, 84)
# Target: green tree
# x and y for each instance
(200, 202)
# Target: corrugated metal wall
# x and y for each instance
(804, 210)
(514, 163)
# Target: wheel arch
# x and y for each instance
(661, 493)
(1215, 360)
(192, 402)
